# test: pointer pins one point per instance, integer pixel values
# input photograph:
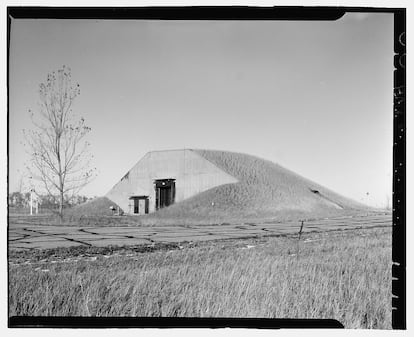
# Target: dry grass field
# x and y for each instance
(345, 275)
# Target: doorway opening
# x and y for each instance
(164, 193)
(140, 205)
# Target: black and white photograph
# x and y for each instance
(181, 165)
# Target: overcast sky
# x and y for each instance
(315, 97)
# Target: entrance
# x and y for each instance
(140, 204)
(164, 193)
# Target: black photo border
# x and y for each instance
(249, 13)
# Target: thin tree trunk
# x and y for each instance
(61, 205)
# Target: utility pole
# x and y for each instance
(32, 190)
(31, 201)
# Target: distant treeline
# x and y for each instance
(22, 200)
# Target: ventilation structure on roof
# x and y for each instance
(326, 199)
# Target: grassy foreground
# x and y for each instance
(343, 275)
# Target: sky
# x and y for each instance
(314, 97)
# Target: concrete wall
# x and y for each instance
(193, 175)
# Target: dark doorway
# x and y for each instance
(140, 204)
(164, 193)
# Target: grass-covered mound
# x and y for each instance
(97, 207)
(265, 191)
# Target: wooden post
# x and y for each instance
(300, 231)
(300, 234)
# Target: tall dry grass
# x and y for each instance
(341, 275)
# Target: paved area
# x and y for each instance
(24, 236)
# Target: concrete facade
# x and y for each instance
(192, 174)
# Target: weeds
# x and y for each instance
(341, 275)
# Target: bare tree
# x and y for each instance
(60, 159)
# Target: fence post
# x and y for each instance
(300, 234)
